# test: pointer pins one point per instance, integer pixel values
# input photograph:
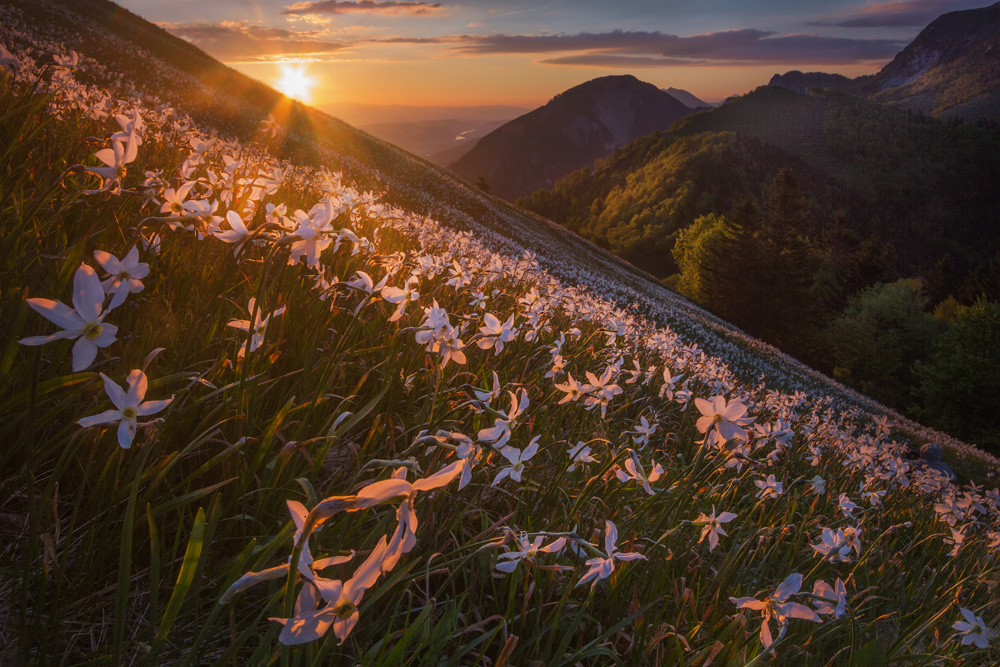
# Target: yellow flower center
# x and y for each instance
(346, 610)
(93, 330)
(129, 413)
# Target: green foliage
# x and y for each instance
(959, 386)
(695, 244)
(879, 335)
(635, 202)
(912, 185)
(821, 195)
(760, 274)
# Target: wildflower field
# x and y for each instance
(255, 414)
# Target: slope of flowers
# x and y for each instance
(254, 412)
(142, 60)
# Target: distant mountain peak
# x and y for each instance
(686, 98)
(945, 40)
(576, 127)
(951, 69)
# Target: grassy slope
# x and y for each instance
(239, 451)
(413, 183)
(234, 104)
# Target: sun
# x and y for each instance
(295, 82)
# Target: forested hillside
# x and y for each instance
(818, 197)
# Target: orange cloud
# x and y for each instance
(386, 7)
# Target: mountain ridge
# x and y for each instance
(574, 128)
(950, 69)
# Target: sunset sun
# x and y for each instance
(295, 82)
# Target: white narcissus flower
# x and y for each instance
(721, 421)
(517, 459)
(643, 431)
(114, 158)
(397, 488)
(769, 487)
(529, 550)
(633, 471)
(401, 297)
(834, 598)
(498, 434)
(269, 126)
(579, 456)
(484, 396)
(174, 198)
(572, 389)
(600, 567)
(601, 390)
(469, 452)
(129, 407)
(85, 321)
(342, 599)
(237, 232)
(669, 383)
(817, 485)
(124, 275)
(259, 326)
(834, 546)
(495, 334)
(973, 629)
(847, 506)
(779, 607)
(711, 527)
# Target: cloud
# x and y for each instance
(618, 62)
(231, 39)
(898, 13)
(655, 49)
(386, 7)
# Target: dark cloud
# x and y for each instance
(898, 13)
(653, 49)
(387, 7)
(230, 39)
(618, 62)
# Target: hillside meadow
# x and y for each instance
(254, 414)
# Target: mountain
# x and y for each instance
(802, 81)
(781, 211)
(575, 128)
(440, 141)
(456, 151)
(687, 99)
(919, 184)
(951, 69)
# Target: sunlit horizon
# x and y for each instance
(521, 53)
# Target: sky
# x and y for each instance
(523, 52)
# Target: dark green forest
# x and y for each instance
(862, 239)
